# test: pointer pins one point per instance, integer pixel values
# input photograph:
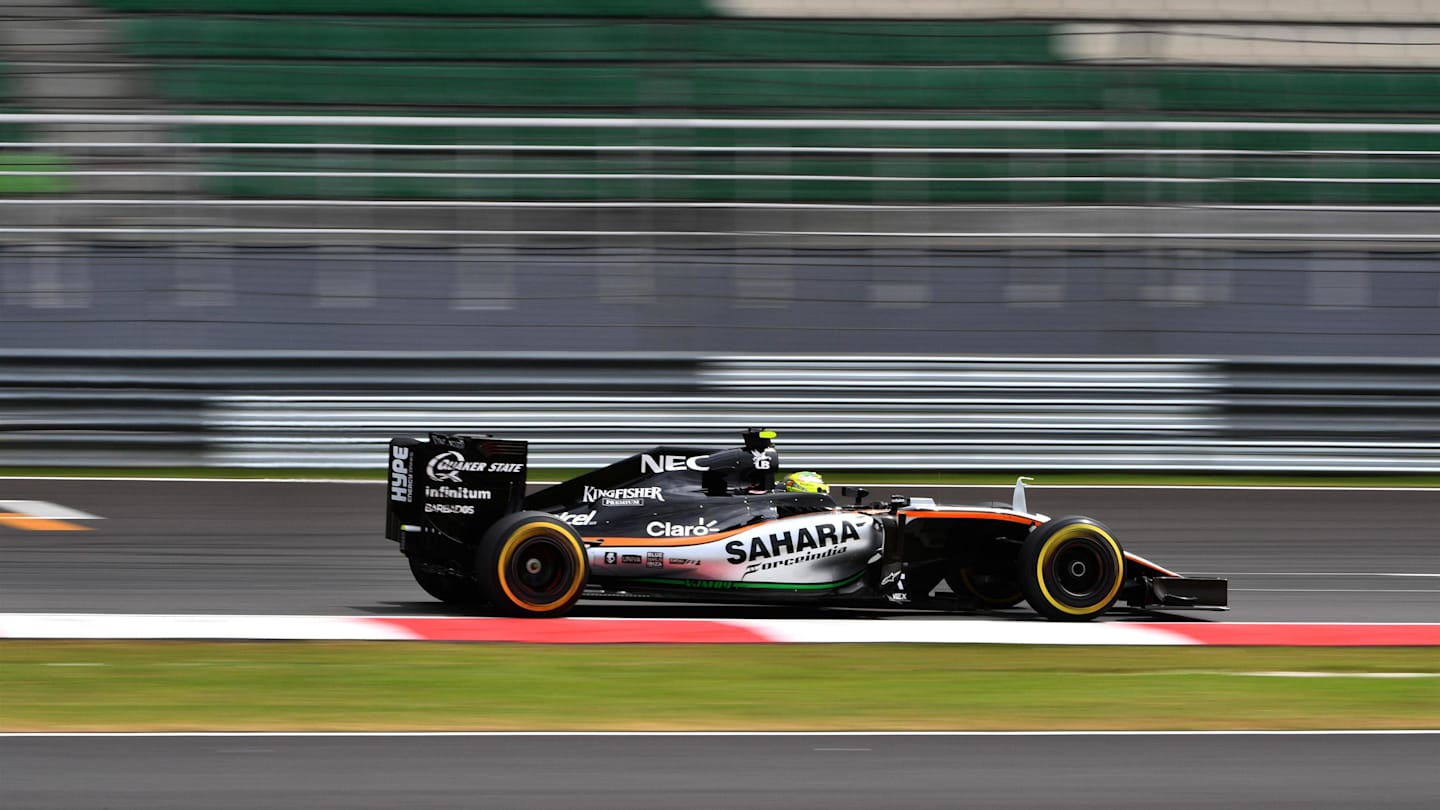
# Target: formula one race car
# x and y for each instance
(698, 524)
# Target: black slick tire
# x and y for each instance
(990, 590)
(1071, 569)
(531, 564)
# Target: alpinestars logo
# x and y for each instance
(448, 465)
(787, 548)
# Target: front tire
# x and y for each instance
(531, 564)
(1071, 569)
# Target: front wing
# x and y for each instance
(1180, 592)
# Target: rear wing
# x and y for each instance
(453, 484)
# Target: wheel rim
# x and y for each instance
(1080, 572)
(540, 570)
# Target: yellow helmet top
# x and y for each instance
(805, 481)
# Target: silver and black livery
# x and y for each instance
(700, 524)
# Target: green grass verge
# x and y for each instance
(75, 686)
(870, 477)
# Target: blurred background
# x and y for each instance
(914, 234)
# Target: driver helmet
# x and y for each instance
(805, 481)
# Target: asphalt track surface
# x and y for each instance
(247, 547)
(315, 548)
(640, 772)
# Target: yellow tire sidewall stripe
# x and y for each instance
(1048, 550)
(513, 542)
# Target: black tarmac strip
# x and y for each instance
(247, 547)
(650, 772)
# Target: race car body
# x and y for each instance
(700, 524)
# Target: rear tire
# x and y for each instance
(1071, 569)
(531, 564)
(452, 589)
(989, 589)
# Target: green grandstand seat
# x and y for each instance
(499, 39)
(948, 90)
(432, 8)
(604, 57)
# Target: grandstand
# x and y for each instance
(686, 58)
(1198, 177)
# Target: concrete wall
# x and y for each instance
(1216, 303)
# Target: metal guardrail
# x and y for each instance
(1013, 414)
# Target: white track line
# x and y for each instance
(1339, 732)
(1325, 574)
(196, 627)
(44, 510)
(178, 480)
(1005, 487)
